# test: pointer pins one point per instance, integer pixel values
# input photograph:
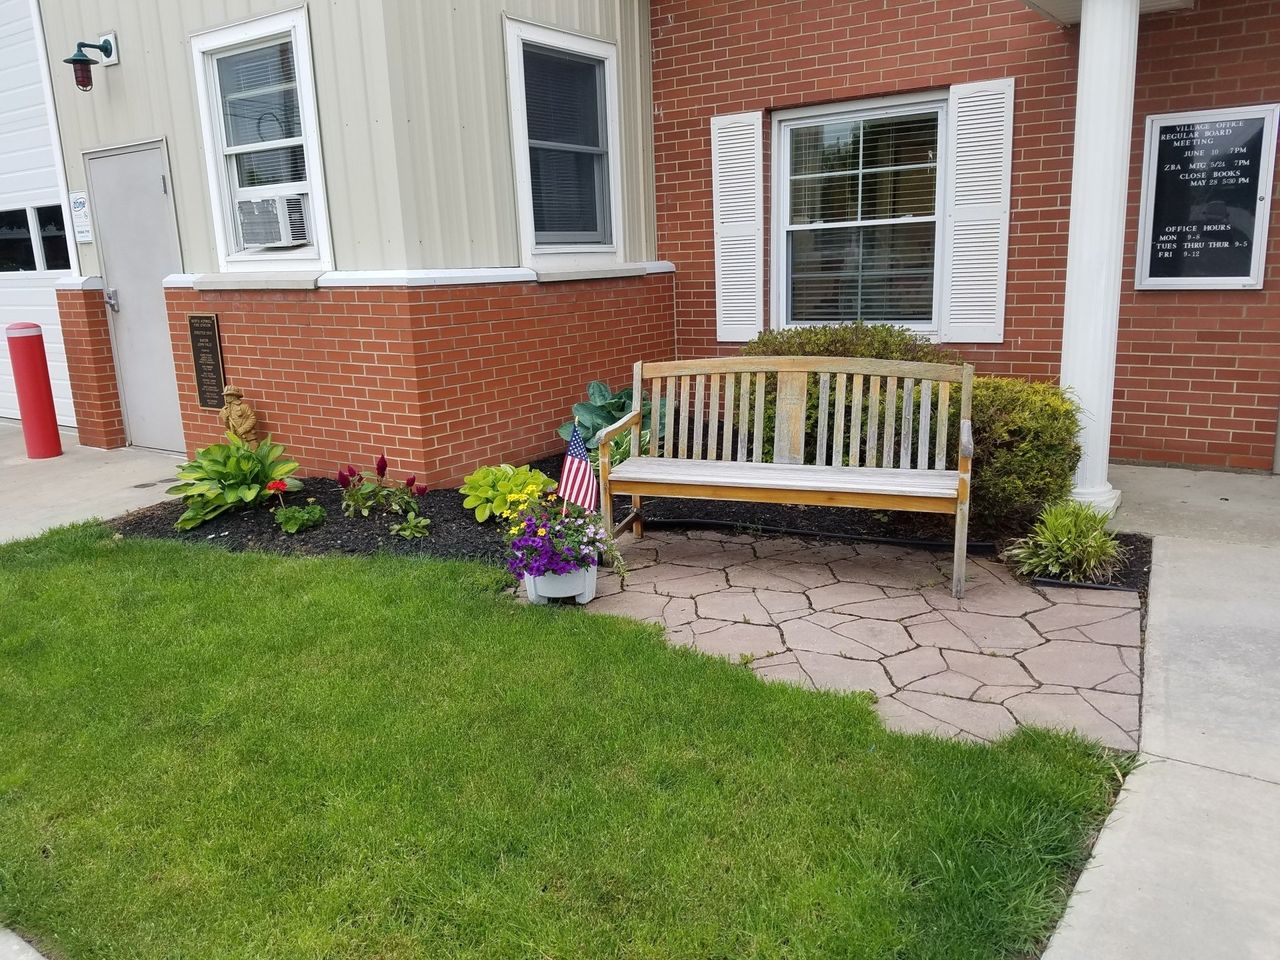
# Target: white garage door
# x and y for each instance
(33, 242)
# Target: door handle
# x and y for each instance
(112, 298)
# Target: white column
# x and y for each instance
(1095, 244)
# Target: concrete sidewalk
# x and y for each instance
(1188, 864)
(81, 484)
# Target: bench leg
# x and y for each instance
(606, 507)
(962, 544)
(637, 525)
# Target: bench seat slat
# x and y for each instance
(788, 476)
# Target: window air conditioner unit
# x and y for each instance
(274, 222)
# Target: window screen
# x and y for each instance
(567, 146)
(862, 219)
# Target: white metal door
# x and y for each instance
(137, 235)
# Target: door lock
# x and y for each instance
(112, 299)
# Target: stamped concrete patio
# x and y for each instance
(840, 616)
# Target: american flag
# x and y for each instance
(577, 480)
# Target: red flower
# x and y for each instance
(381, 465)
(410, 480)
(419, 489)
(345, 477)
(277, 486)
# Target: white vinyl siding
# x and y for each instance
(737, 189)
(895, 211)
(257, 107)
(33, 256)
(980, 129)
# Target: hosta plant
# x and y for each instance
(366, 493)
(1069, 542)
(224, 476)
(603, 408)
(503, 490)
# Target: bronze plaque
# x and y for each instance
(206, 351)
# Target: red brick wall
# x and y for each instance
(1198, 372)
(92, 368)
(1198, 378)
(440, 378)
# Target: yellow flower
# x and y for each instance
(514, 531)
(542, 531)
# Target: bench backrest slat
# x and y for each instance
(829, 411)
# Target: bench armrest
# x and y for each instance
(608, 433)
(966, 439)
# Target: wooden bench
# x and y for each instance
(880, 441)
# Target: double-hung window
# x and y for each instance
(893, 210)
(564, 128)
(262, 147)
(861, 198)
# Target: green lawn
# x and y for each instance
(209, 755)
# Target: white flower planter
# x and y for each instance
(581, 585)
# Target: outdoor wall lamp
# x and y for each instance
(82, 63)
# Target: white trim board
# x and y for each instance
(443, 277)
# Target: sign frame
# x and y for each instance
(1269, 114)
(204, 398)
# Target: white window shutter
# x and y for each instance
(737, 188)
(980, 146)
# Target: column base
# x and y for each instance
(1105, 498)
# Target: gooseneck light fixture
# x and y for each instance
(82, 63)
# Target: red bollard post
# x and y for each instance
(35, 395)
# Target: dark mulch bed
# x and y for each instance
(455, 534)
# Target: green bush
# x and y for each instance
(880, 341)
(1069, 542)
(231, 474)
(1025, 452)
(1024, 432)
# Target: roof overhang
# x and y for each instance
(1068, 11)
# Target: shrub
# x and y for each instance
(1024, 433)
(1069, 542)
(604, 408)
(880, 341)
(1025, 452)
(363, 493)
(295, 519)
(227, 475)
(503, 490)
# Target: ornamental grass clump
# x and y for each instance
(1069, 542)
(556, 538)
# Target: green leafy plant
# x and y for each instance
(1069, 542)
(295, 519)
(412, 526)
(603, 408)
(225, 476)
(1024, 432)
(364, 493)
(502, 490)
